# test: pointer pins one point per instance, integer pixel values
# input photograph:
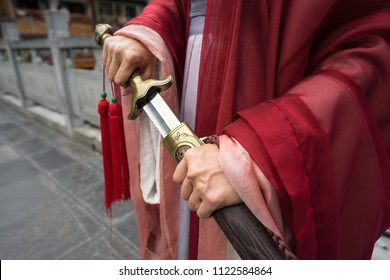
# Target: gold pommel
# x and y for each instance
(102, 31)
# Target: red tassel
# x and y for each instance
(116, 172)
(125, 175)
(120, 171)
(103, 108)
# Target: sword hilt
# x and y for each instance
(142, 90)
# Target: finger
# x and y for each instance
(180, 172)
(106, 57)
(104, 53)
(186, 188)
(106, 61)
(147, 72)
(112, 67)
(124, 72)
(204, 210)
(194, 202)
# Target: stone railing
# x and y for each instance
(60, 73)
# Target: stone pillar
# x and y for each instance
(57, 22)
(10, 31)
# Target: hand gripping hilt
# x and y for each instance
(142, 90)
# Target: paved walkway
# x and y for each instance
(51, 198)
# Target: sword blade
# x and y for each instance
(161, 115)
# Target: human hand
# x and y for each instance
(123, 55)
(203, 183)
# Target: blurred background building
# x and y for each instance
(83, 14)
(48, 56)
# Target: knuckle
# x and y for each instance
(192, 173)
(117, 80)
(189, 154)
(212, 199)
(129, 56)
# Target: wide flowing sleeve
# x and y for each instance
(324, 142)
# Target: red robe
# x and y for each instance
(304, 87)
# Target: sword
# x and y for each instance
(248, 236)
